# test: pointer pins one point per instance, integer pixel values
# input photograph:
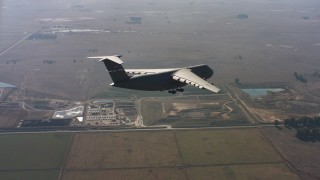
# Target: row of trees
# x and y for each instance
(307, 134)
(49, 61)
(134, 20)
(308, 129)
(237, 81)
(46, 61)
(300, 77)
(242, 16)
(316, 74)
(74, 60)
(303, 122)
(13, 61)
(93, 50)
(42, 36)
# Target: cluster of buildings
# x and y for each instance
(96, 113)
(110, 113)
(101, 112)
(127, 112)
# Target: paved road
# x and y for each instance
(150, 128)
(251, 117)
(14, 45)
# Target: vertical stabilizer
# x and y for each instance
(115, 69)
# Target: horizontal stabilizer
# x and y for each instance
(114, 58)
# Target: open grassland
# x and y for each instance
(303, 156)
(213, 97)
(192, 112)
(9, 118)
(243, 172)
(221, 147)
(127, 174)
(240, 172)
(33, 151)
(179, 154)
(272, 42)
(121, 93)
(119, 150)
(34, 175)
(182, 154)
(151, 110)
(236, 117)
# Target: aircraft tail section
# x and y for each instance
(114, 67)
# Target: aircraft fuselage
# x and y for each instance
(162, 81)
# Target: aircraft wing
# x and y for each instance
(188, 77)
(148, 71)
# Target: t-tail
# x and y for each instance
(115, 69)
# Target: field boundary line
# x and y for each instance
(174, 166)
(180, 156)
(290, 166)
(66, 158)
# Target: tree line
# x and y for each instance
(42, 36)
(300, 77)
(316, 74)
(46, 61)
(13, 61)
(308, 128)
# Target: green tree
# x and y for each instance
(237, 81)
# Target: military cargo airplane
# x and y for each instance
(172, 79)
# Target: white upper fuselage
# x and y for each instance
(157, 79)
(161, 79)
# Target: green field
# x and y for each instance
(121, 93)
(151, 111)
(222, 147)
(180, 154)
(192, 111)
(34, 175)
(123, 150)
(33, 151)
(127, 174)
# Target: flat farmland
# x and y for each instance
(192, 111)
(178, 154)
(33, 151)
(35, 175)
(223, 147)
(129, 174)
(252, 171)
(256, 171)
(272, 42)
(9, 118)
(121, 150)
(302, 155)
(181, 154)
(152, 111)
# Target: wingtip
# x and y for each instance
(216, 90)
